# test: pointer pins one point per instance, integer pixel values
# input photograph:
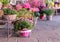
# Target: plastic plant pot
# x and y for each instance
(25, 33)
(42, 17)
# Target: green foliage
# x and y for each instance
(1, 0)
(36, 14)
(5, 2)
(48, 11)
(8, 11)
(23, 11)
(22, 24)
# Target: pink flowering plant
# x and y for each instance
(26, 5)
(18, 7)
(34, 9)
(34, 3)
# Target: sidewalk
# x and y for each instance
(45, 31)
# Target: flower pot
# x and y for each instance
(25, 33)
(10, 17)
(42, 17)
(49, 17)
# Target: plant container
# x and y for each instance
(10, 17)
(25, 33)
(49, 17)
(42, 17)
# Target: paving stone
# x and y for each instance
(12, 39)
(27, 40)
(2, 39)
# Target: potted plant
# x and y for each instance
(18, 7)
(9, 14)
(5, 3)
(42, 15)
(23, 27)
(49, 13)
(36, 14)
(41, 11)
(24, 13)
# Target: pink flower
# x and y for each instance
(34, 9)
(18, 7)
(35, 3)
(27, 19)
(10, 6)
(31, 21)
(26, 5)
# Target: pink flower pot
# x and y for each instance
(25, 33)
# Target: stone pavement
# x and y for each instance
(44, 31)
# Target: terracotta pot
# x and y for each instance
(10, 17)
(25, 33)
